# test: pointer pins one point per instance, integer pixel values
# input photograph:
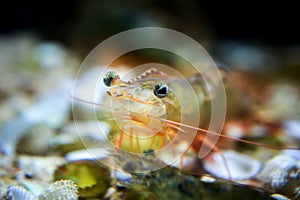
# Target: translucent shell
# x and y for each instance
(60, 190)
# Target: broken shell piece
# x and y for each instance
(240, 167)
(19, 193)
(35, 141)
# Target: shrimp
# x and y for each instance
(152, 104)
(156, 103)
(150, 108)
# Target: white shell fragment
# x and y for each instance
(292, 127)
(41, 168)
(240, 166)
(19, 193)
(87, 154)
(279, 197)
(277, 171)
(121, 176)
(295, 154)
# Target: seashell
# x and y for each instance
(207, 179)
(10, 134)
(121, 176)
(87, 154)
(91, 178)
(19, 193)
(112, 193)
(240, 166)
(35, 141)
(292, 153)
(60, 190)
(94, 154)
(41, 168)
(277, 171)
(279, 197)
(292, 127)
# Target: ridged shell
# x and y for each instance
(19, 193)
(60, 190)
(277, 171)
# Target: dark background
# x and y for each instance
(84, 24)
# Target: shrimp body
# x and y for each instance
(148, 99)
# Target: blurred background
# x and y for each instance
(43, 43)
(244, 34)
(84, 22)
(231, 31)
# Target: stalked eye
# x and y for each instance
(161, 90)
(109, 77)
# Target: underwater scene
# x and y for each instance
(124, 100)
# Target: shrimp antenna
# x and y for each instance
(191, 127)
(229, 137)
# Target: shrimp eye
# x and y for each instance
(109, 77)
(161, 90)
